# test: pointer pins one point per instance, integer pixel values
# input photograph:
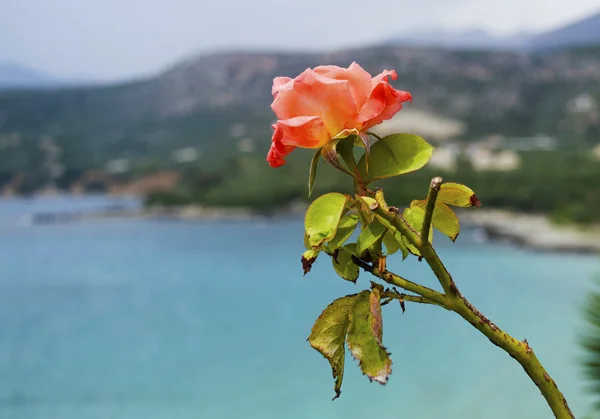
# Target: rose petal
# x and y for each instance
(323, 102)
(303, 131)
(383, 77)
(280, 83)
(384, 101)
(276, 158)
(311, 94)
(359, 80)
(324, 69)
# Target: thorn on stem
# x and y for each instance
(527, 347)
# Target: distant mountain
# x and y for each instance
(470, 39)
(17, 76)
(580, 33)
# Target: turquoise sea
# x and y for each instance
(148, 319)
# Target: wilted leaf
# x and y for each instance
(323, 216)
(345, 148)
(328, 336)
(394, 155)
(343, 264)
(369, 236)
(312, 175)
(308, 258)
(366, 142)
(365, 334)
(443, 218)
(330, 154)
(345, 229)
(458, 195)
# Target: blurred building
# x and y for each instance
(483, 158)
(185, 155)
(246, 145)
(596, 152)
(445, 157)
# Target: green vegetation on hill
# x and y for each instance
(195, 103)
(562, 183)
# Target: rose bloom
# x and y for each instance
(328, 102)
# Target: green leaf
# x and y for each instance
(307, 245)
(322, 218)
(343, 264)
(345, 148)
(392, 239)
(415, 217)
(364, 213)
(368, 200)
(369, 236)
(312, 175)
(345, 229)
(394, 155)
(393, 242)
(328, 336)
(458, 195)
(443, 218)
(308, 258)
(365, 334)
(412, 249)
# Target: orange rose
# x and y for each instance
(323, 103)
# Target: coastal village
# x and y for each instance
(491, 153)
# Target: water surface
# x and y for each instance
(150, 319)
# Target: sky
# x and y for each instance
(107, 40)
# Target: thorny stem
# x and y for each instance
(414, 237)
(410, 298)
(403, 283)
(434, 189)
(453, 300)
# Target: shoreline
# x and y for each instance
(534, 231)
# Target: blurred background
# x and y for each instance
(150, 260)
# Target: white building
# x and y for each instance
(483, 159)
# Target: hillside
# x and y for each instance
(580, 33)
(472, 39)
(583, 32)
(17, 76)
(195, 105)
